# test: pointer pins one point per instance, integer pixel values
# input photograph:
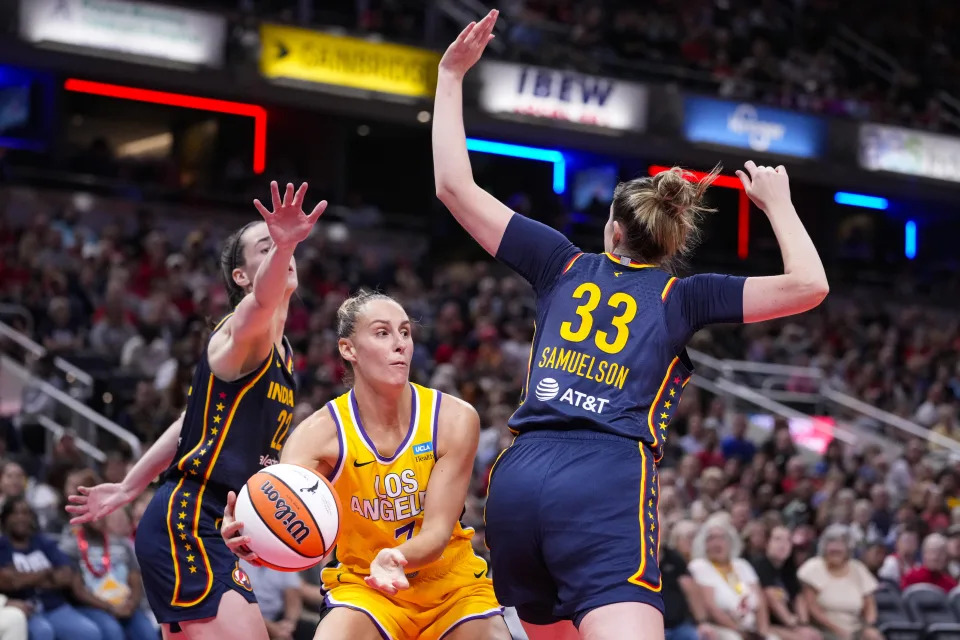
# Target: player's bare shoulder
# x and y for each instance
(458, 424)
(314, 443)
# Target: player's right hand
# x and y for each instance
(93, 503)
(466, 50)
(287, 224)
(231, 530)
(766, 186)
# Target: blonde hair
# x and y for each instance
(347, 321)
(661, 215)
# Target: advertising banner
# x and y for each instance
(747, 126)
(140, 28)
(568, 96)
(311, 56)
(914, 153)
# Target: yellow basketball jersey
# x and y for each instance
(383, 497)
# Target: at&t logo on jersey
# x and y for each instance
(548, 389)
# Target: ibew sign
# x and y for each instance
(524, 90)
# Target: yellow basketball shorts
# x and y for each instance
(435, 604)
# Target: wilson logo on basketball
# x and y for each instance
(283, 512)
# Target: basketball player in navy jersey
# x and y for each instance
(572, 508)
(237, 417)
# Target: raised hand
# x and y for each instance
(766, 186)
(464, 52)
(232, 531)
(386, 572)
(287, 223)
(93, 503)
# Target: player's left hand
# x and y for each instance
(386, 572)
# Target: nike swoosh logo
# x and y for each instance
(479, 575)
(361, 464)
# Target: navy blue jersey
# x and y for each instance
(609, 347)
(233, 429)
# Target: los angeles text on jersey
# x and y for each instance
(398, 497)
(584, 365)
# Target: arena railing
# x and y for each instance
(72, 373)
(83, 420)
(760, 378)
(57, 430)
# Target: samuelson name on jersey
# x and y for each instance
(584, 365)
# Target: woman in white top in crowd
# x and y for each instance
(731, 588)
(839, 589)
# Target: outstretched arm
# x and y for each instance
(446, 493)
(93, 503)
(484, 217)
(803, 284)
(250, 327)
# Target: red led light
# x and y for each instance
(258, 113)
(743, 204)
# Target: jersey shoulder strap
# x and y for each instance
(425, 434)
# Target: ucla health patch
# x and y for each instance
(422, 448)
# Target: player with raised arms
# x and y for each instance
(399, 457)
(238, 415)
(571, 514)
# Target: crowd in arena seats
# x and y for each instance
(773, 51)
(755, 538)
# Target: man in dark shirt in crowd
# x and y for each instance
(684, 613)
(781, 588)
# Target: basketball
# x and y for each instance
(292, 516)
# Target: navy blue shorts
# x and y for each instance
(571, 523)
(186, 565)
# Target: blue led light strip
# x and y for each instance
(528, 153)
(860, 200)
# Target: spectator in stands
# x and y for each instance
(730, 585)
(934, 513)
(933, 567)
(681, 538)
(61, 332)
(692, 441)
(838, 589)
(711, 486)
(113, 328)
(14, 483)
(781, 588)
(736, 445)
(685, 613)
(280, 601)
(953, 551)
(873, 557)
(901, 475)
(710, 455)
(688, 477)
(34, 570)
(779, 447)
(881, 516)
(903, 559)
(111, 575)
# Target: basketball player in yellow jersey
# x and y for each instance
(400, 457)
